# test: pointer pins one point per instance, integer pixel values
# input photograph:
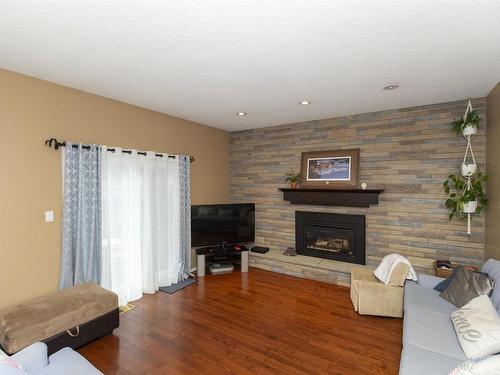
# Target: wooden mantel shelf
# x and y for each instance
(332, 197)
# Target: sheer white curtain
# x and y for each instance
(140, 223)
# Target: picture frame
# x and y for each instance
(330, 169)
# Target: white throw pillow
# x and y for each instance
(478, 327)
(487, 366)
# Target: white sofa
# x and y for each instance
(34, 360)
(430, 344)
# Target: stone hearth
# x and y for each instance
(327, 270)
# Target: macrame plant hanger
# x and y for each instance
(468, 170)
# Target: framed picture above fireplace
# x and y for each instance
(335, 168)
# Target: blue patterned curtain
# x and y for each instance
(185, 215)
(81, 226)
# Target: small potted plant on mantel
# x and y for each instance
(463, 201)
(293, 178)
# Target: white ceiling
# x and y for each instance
(206, 60)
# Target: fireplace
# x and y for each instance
(330, 236)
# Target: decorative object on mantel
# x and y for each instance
(293, 178)
(335, 169)
(467, 195)
(364, 186)
(290, 251)
(332, 197)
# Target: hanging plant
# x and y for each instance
(465, 190)
(467, 126)
(462, 201)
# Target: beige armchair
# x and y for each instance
(372, 297)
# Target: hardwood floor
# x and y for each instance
(256, 323)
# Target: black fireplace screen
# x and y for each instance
(331, 236)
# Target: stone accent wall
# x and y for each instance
(408, 152)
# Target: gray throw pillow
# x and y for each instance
(466, 286)
(441, 287)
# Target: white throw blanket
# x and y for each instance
(387, 265)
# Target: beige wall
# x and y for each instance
(31, 111)
(493, 170)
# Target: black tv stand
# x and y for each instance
(225, 253)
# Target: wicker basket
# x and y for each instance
(443, 272)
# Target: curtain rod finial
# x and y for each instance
(56, 143)
(49, 142)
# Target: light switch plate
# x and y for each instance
(49, 216)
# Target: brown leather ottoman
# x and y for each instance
(70, 317)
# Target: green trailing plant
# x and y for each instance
(293, 177)
(472, 119)
(458, 197)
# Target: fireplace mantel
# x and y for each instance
(332, 197)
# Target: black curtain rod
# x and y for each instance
(52, 142)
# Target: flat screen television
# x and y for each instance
(216, 224)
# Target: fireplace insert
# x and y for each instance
(331, 236)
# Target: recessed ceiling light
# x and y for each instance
(305, 102)
(241, 113)
(393, 86)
